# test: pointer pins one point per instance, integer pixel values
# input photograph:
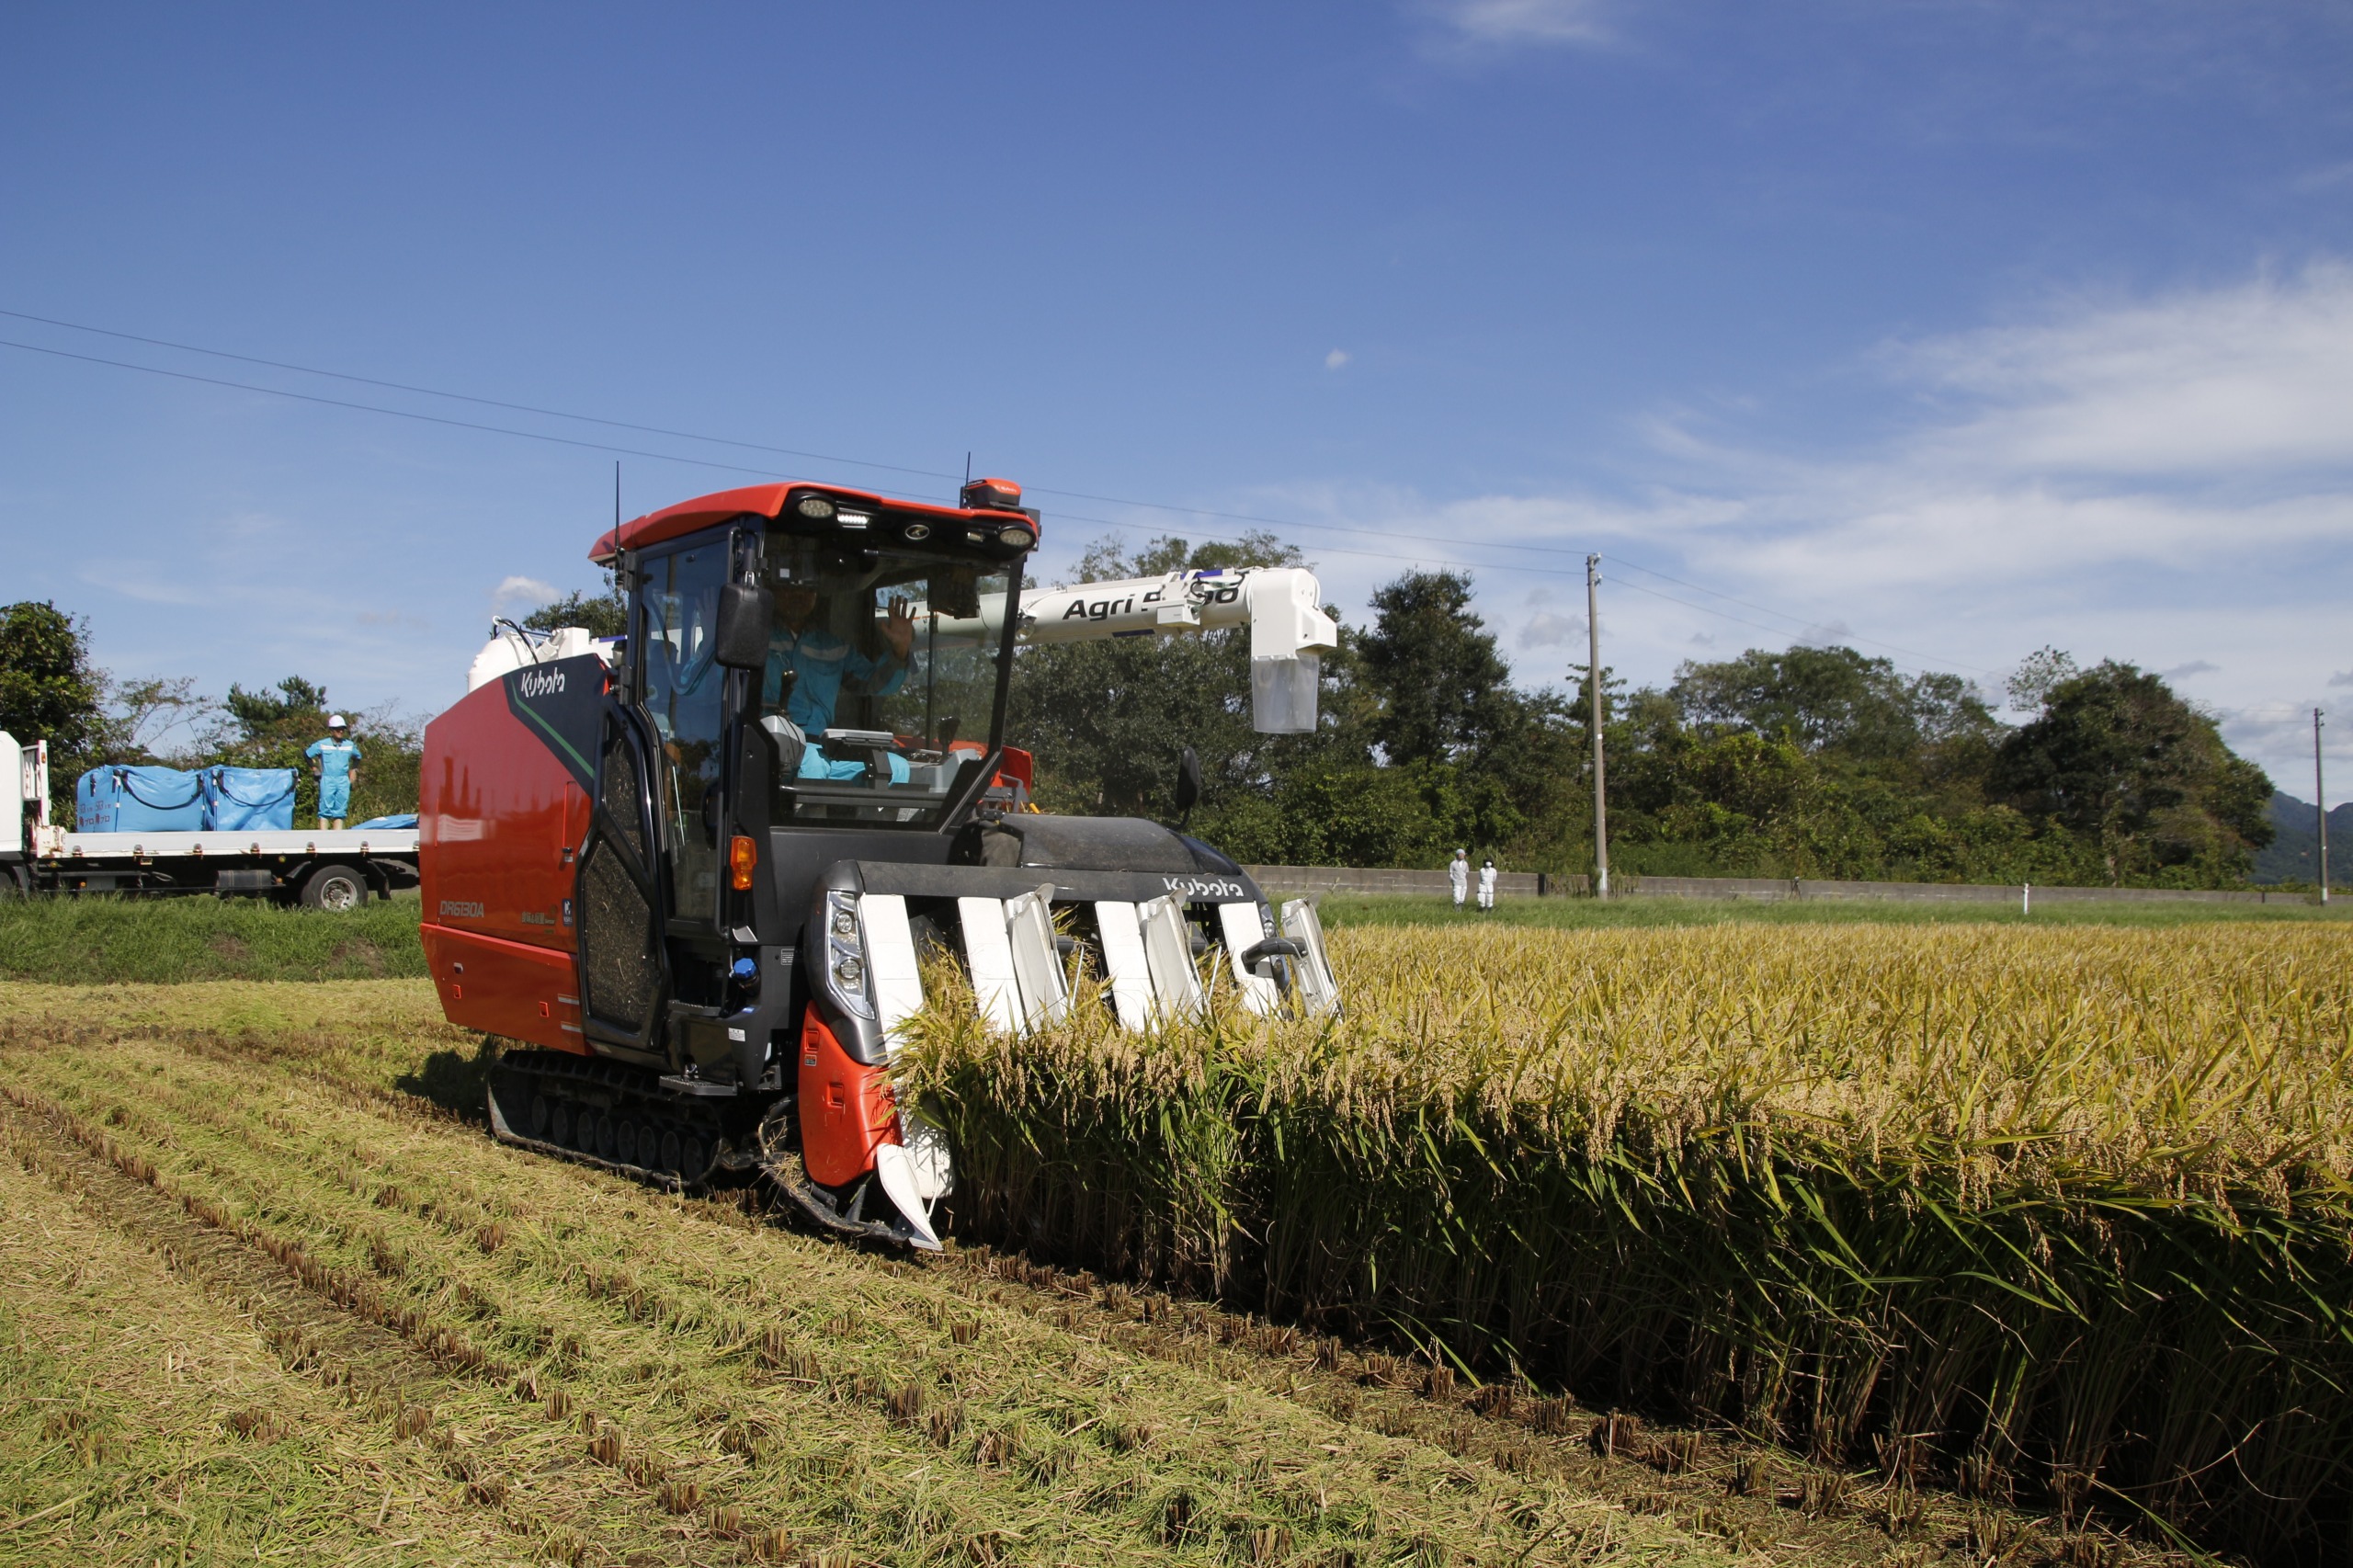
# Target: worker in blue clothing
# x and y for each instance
(809, 665)
(335, 763)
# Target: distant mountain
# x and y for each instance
(2293, 856)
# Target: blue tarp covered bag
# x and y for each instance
(240, 798)
(397, 819)
(138, 800)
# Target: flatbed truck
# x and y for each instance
(320, 869)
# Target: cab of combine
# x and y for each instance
(693, 866)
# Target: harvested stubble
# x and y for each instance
(2066, 1214)
(627, 1376)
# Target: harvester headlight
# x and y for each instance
(817, 508)
(1016, 536)
(846, 974)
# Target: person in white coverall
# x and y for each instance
(1457, 873)
(1487, 885)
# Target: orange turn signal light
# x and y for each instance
(743, 855)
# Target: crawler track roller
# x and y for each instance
(599, 1114)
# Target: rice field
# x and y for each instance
(268, 1294)
(1836, 1243)
(2057, 1216)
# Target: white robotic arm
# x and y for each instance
(1282, 605)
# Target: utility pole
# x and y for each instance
(1593, 669)
(2320, 805)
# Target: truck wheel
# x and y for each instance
(334, 887)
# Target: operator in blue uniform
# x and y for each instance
(335, 763)
(819, 663)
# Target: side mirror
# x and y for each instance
(1188, 784)
(742, 642)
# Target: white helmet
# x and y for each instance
(335, 722)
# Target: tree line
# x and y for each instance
(51, 690)
(1805, 762)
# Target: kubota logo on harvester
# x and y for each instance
(1198, 886)
(539, 683)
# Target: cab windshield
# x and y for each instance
(880, 681)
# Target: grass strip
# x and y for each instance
(94, 939)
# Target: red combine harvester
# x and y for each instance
(686, 873)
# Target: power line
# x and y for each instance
(1418, 558)
(458, 397)
(901, 467)
(378, 408)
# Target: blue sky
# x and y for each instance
(1947, 327)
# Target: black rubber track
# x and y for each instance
(602, 1113)
(576, 1107)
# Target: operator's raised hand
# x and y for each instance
(899, 627)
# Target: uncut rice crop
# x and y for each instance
(2058, 1213)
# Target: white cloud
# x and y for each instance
(1511, 22)
(2183, 672)
(2165, 480)
(1334, 359)
(2213, 383)
(2342, 677)
(522, 593)
(1547, 630)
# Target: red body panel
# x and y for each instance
(501, 819)
(506, 988)
(847, 1109)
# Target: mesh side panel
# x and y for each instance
(620, 798)
(621, 973)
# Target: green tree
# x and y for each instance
(140, 713)
(603, 615)
(296, 707)
(2116, 758)
(2031, 684)
(1831, 699)
(48, 689)
(1443, 691)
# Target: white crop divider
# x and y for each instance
(1243, 929)
(1124, 962)
(1037, 963)
(1168, 956)
(989, 957)
(1318, 992)
(891, 956)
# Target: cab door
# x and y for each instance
(685, 696)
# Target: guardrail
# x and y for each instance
(1757, 890)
